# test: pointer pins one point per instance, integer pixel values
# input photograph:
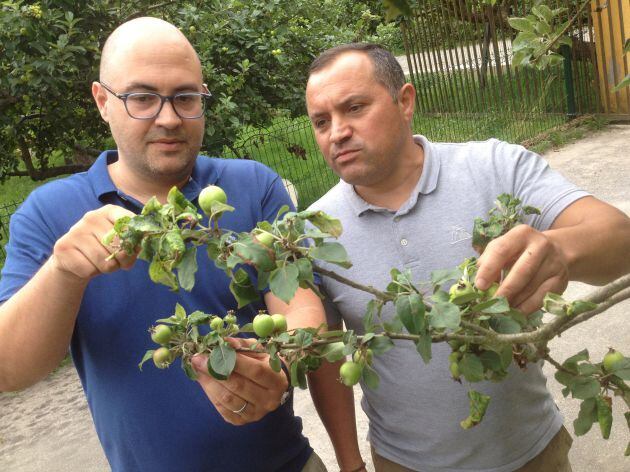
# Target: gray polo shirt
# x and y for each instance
(415, 413)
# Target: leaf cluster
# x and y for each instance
(484, 333)
(593, 384)
(541, 34)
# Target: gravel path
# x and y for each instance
(48, 426)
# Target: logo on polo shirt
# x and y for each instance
(458, 234)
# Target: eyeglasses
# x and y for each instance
(148, 105)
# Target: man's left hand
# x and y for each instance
(252, 390)
(536, 266)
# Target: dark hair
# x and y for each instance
(387, 70)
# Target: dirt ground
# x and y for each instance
(48, 427)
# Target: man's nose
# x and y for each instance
(167, 116)
(340, 131)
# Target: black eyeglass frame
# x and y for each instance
(163, 98)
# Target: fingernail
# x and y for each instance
(481, 283)
(198, 362)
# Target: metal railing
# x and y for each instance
(6, 210)
(472, 84)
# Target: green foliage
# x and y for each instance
(254, 54)
(47, 51)
(479, 326)
(507, 213)
(540, 35)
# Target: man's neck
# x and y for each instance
(393, 192)
(142, 187)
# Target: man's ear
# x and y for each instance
(101, 99)
(407, 100)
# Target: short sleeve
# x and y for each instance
(537, 184)
(30, 245)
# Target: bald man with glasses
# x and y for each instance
(60, 289)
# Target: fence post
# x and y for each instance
(611, 22)
(568, 81)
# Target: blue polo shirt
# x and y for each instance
(154, 420)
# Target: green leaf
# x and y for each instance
(222, 360)
(571, 362)
(555, 304)
(189, 371)
(586, 417)
(445, 315)
(622, 369)
(263, 280)
(504, 324)
(178, 200)
(187, 268)
(478, 404)
(494, 305)
(423, 346)
(555, 59)
(522, 57)
(587, 369)
(333, 352)
(253, 253)
(161, 275)
(471, 367)
(543, 12)
(283, 282)
(604, 416)
(578, 307)
(197, 318)
(152, 206)
(331, 252)
(298, 374)
(506, 356)
(147, 355)
(373, 307)
(242, 289)
(370, 377)
(305, 269)
(440, 297)
(584, 387)
(323, 222)
(410, 309)
(396, 8)
(275, 363)
(491, 361)
(440, 277)
(216, 208)
(522, 24)
(380, 344)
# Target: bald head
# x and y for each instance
(141, 37)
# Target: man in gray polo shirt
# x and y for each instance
(408, 203)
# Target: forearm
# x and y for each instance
(597, 250)
(335, 405)
(36, 325)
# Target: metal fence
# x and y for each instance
(6, 210)
(459, 58)
(288, 146)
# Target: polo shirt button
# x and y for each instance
(403, 242)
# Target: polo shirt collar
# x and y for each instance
(103, 184)
(426, 183)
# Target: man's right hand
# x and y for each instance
(80, 252)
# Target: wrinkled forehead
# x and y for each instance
(348, 68)
(349, 74)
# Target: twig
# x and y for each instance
(351, 283)
(603, 306)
